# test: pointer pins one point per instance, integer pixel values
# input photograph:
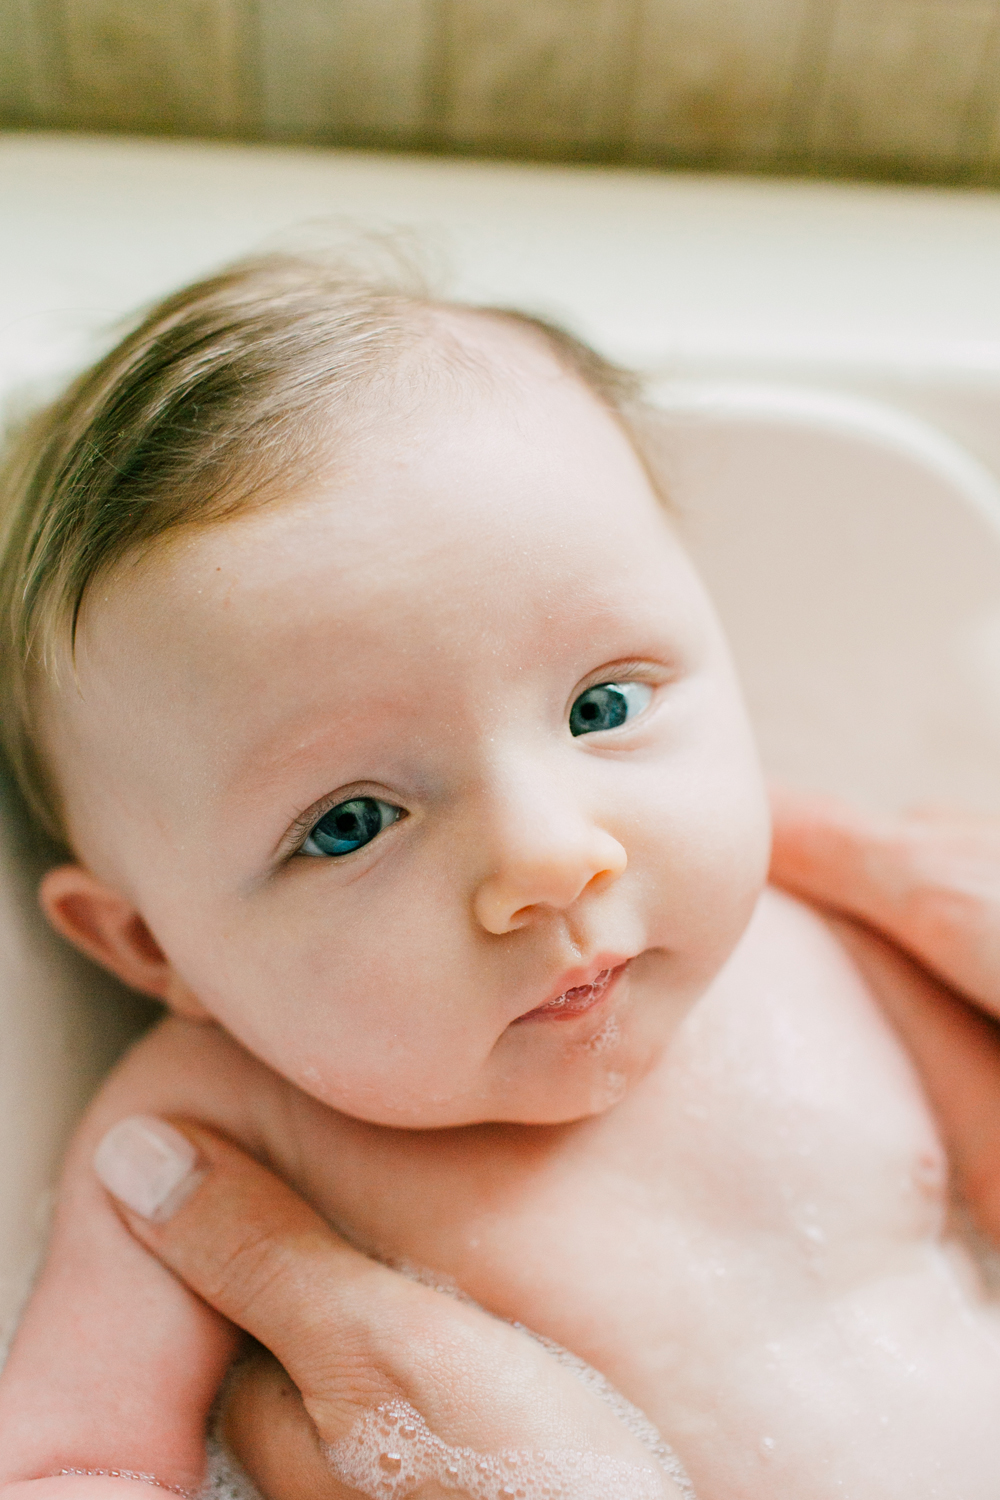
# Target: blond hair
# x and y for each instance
(218, 397)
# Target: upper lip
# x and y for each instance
(580, 977)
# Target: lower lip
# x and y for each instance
(577, 1001)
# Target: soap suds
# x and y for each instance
(224, 1479)
(636, 1421)
(151, 1479)
(391, 1452)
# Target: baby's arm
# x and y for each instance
(115, 1363)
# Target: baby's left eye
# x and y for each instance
(349, 826)
(607, 705)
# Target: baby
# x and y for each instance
(353, 654)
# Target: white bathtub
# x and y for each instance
(828, 358)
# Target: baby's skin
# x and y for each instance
(535, 1028)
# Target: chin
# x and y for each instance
(595, 1085)
(583, 1104)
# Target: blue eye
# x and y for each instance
(607, 705)
(349, 826)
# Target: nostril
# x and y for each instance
(601, 879)
(552, 876)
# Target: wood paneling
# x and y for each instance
(548, 75)
(31, 82)
(715, 81)
(901, 80)
(159, 64)
(346, 68)
(910, 87)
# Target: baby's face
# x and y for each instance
(433, 782)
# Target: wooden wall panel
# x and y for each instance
(981, 146)
(159, 64)
(901, 80)
(547, 75)
(891, 87)
(354, 68)
(31, 82)
(984, 150)
(715, 80)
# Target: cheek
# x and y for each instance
(728, 818)
(706, 855)
(731, 789)
(355, 987)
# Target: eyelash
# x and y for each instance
(628, 671)
(650, 674)
(634, 670)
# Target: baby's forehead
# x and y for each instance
(527, 483)
(477, 354)
(485, 450)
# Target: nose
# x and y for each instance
(546, 863)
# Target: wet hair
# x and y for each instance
(223, 398)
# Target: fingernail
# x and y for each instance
(148, 1165)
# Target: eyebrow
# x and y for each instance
(265, 768)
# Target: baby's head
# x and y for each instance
(358, 664)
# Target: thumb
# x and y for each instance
(356, 1338)
(259, 1254)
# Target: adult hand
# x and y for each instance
(929, 883)
(392, 1388)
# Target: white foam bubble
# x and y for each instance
(607, 1038)
(636, 1421)
(391, 1452)
(553, 1475)
(143, 1478)
(224, 1479)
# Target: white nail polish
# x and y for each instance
(148, 1165)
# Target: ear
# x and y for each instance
(105, 926)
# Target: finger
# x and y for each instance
(930, 881)
(266, 1427)
(259, 1254)
(267, 1430)
(354, 1336)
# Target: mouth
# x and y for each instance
(580, 997)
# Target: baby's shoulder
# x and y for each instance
(191, 1070)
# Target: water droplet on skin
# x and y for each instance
(391, 1462)
(407, 1430)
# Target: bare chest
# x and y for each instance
(709, 1242)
